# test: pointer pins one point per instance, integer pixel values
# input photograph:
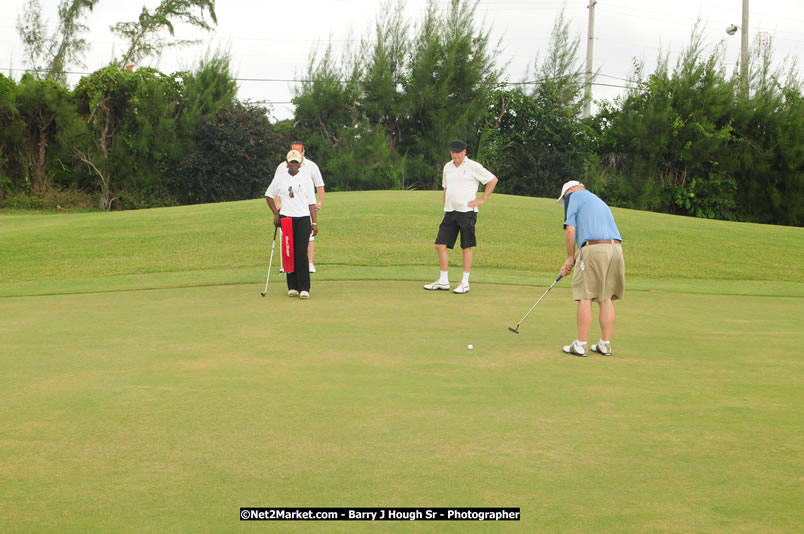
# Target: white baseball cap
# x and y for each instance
(567, 185)
(294, 155)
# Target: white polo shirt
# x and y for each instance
(308, 167)
(315, 172)
(462, 183)
(303, 192)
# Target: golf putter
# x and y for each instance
(270, 262)
(516, 330)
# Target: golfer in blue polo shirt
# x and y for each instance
(599, 264)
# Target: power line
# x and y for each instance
(290, 80)
(615, 77)
(610, 85)
(11, 69)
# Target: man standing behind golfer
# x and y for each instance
(298, 213)
(600, 273)
(460, 180)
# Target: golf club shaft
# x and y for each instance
(270, 261)
(560, 276)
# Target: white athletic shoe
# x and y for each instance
(576, 348)
(304, 295)
(293, 293)
(461, 289)
(602, 348)
(438, 284)
(312, 268)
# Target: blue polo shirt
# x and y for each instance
(590, 216)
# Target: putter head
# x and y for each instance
(514, 331)
(262, 293)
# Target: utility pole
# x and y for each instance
(744, 51)
(590, 46)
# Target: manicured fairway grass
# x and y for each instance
(377, 235)
(124, 408)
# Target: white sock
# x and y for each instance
(602, 342)
(580, 342)
(444, 279)
(465, 279)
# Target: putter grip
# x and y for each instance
(560, 276)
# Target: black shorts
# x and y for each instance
(454, 222)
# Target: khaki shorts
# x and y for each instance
(599, 273)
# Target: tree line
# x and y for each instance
(683, 139)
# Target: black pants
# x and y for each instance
(300, 278)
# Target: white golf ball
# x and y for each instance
(470, 347)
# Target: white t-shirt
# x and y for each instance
(462, 183)
(308, 167)
(303, 192)
(315, 172)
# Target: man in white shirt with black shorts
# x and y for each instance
(461, 179)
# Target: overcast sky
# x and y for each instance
(271, 40)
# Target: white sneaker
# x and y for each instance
(576, 348)
(438, 284)
(304, 295)
(293, 293)
(462, 288)
(602, 348)
(312, 268)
